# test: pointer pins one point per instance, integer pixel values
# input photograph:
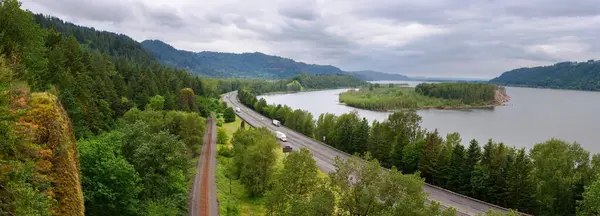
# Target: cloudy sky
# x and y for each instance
(436, 38)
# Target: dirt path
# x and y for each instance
(204, 191)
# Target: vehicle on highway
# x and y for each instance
(237, 109)
(276, 123)
(281, 136)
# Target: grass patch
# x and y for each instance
(238, 197)
(232, 127)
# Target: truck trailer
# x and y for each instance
(281, 136)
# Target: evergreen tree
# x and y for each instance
(360, 136)
(403, 128)
(428, 162)
(520, 185)
(457, 164)
(378, 144)
(473, 158)
(22, 41)
(324, 130)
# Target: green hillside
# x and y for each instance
(564, 75)
(245, 65)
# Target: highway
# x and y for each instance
(324, 156)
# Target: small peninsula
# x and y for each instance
(426, 96)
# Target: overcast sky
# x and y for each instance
(436, 38)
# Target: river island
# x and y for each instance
(425, 96)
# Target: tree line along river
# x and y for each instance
(531, 116)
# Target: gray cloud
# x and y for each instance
(470, 38)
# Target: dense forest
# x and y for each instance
(468, 93)
(245, 65)
(294, 187)
(54, 90)
(425, 96)
(296, 83)
(564, 75)
(374, 75)
(91, 123)
(553, 178)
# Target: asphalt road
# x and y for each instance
(203, 198)
(324, 156)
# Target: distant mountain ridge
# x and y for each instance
(217, 64)
(563, 75)
(370, 75)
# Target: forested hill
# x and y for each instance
(369, 75)
(116, 45)
(564, 75)
(217, 64)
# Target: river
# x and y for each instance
(531, 116)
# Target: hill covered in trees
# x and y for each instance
(245, 65)
(369, 75)
(564, 75)
(116, 45)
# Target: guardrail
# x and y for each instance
(349, 155)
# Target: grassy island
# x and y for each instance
(426, 96)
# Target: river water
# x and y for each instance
(531, 116)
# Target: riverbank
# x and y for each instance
(430, 96)
(305, 90)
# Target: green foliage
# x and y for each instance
(590, 205)
(294, 86)
(222, 137)
(229, 115)
(559, 167)
(187, 100)
(376, 192)
(208, 106)
(216, 64)
(254, 159)
(299, 120)
(298, 190)
(466, 93)
(156, 103)
(23, 41)
(95, 85)
(144, 167)
(23, 183)
(564, 75)
(439, 95)
(110, 183)
(113, 44)
(162, 207)
(374, 75)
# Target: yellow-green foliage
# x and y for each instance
(187, 100)
(52, 130)
(393, 99)
(294, 86)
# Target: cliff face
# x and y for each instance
(48, 125)
(500, 96)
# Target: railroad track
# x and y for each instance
(203, 199)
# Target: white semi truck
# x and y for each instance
(281, 136)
